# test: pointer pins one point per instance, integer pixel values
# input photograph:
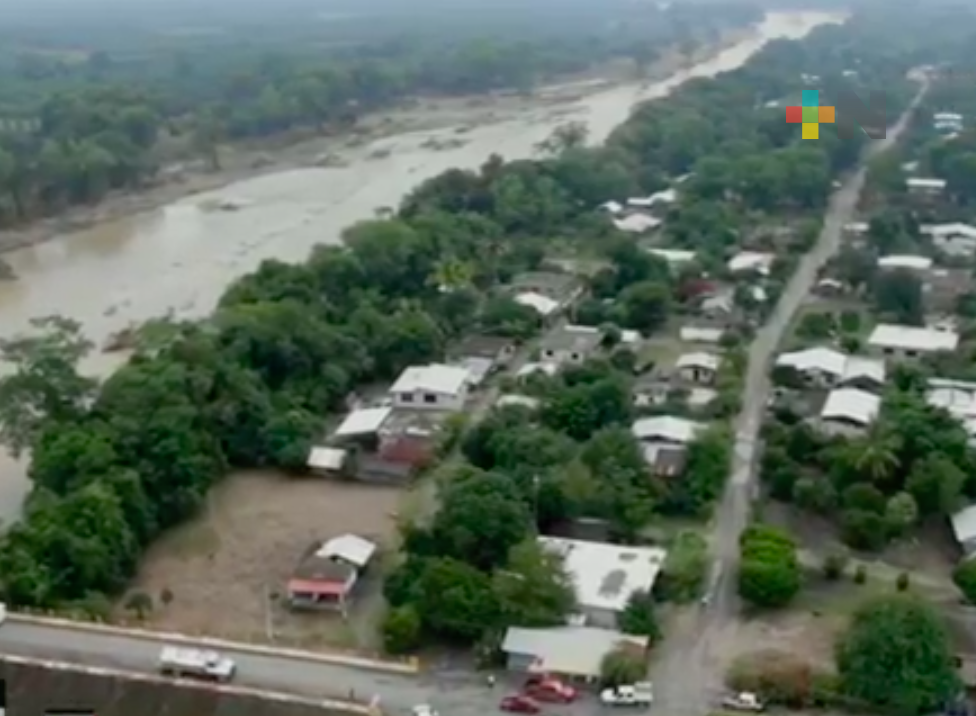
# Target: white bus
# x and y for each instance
(197, 663)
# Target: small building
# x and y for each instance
(752, 261)
(570, 652)
(964, 529)
(327, 461)
(565, 344)
(361, 423)
(955, 239)
(497, 349)
(543, 305)
(826, 367)
(856, 228)
(327, 573)
(718, 305)
(637, 223)
(518, 400)
(925, 186)
(563, 288)
(431, 387)
(611, 207)
(905, 262)
(863, 372)
(849, 410)
(536, 368)
(701, 334)
(698, 367)
(907, 342)
(605, 576)
(650, 389)
(666, 461)
(675, 257)
(666, 429)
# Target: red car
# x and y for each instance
(546, 688)
(519, 704)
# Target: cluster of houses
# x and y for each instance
(604, 578)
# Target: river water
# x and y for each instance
(181, 257)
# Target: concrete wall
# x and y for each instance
(36, 687)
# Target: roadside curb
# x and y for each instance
(355, 662)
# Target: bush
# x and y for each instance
(623, 666)
(639, 618)
(779, 677)
(401, 630)
(901, 584)
(685, 569)
(965, 578)
(860, 574)
(834, 565)
(140, 604)
(769, 572)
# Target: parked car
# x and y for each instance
(743, 701)
(548, 689)
(639, 694)
(519, 704)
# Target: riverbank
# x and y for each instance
(249, 160)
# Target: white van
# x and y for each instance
(196, 663)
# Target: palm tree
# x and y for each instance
(876, 454)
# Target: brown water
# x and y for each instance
(181, 257)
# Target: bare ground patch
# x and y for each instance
(226, 570)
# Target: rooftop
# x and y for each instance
(326, 458)
(952, 230)
(674, 256)
(606, 575)
(964, 524)
(751, 261)
(666, 427)
(851, 405)
(349, 548)
(925, 183)
(550, 283)
(905, 261)
(363, 422)
(706, 361)
(583, 339)
(637, 223)
(569, 650)
(913, 338)
(543, 305)
(433, 378)
(700, 334)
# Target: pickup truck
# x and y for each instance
(640, 694)
(743, 701)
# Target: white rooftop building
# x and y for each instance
(925, 185)
(326, 459)
(850, 406)
(906, 262)
(637, 223)
(350, 548)
(605, 576)
(567, 651)
(364, 421)
(964, 528)
(700, 334)
(955, 239)
(911, 341)
(674, 257)
(614, 207)
(857, 227)
(827, 366)
(751, 261)
(666, 428)
(431, 387)
(543, 305)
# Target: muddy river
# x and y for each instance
(181, 257)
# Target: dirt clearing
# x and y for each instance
(226, 570)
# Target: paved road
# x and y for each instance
(690, 670)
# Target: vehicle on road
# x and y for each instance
(519, 704)
(197, 663)
(743, 701)
(424, 710)
(639, 694)
(550, 690)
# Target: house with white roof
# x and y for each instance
(362, 422)
(947, 122)
(667, 429)
(667, 196)
(849, 410)
(569, 652)
(701, 334)
(964, 528)
(605, 576)
(905, 342)
(925, 186)
(856, 228)
(954, 239)
(543, 305)
(674, 257)
(759, 262)
(905, 262)
(612, 207)
(956, 397)
(699, 367)
(827, 367)
(431, 387)
(637, 223)
(324, 460)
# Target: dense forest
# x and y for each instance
(116, 464)
(82, 114)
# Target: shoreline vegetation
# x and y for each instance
(305, 148)
(77, 128)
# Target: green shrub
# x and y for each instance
(860, 574)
